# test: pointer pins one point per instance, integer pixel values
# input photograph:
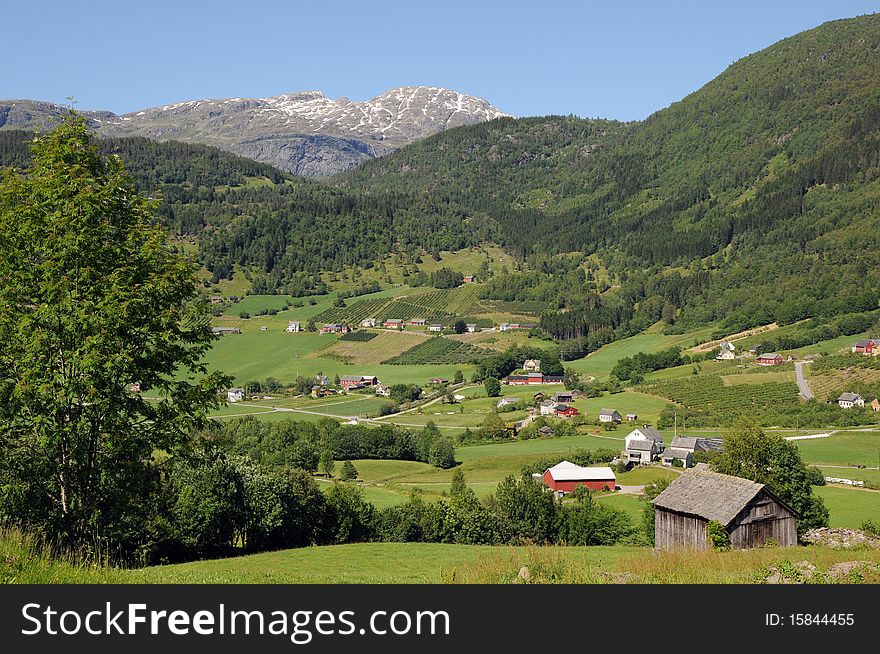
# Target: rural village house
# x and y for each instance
(506, 401)
(565, 411)
(771, 359)
(294, 326)
(548, 407)
(532, 365)
(867, 346)
(334, 328)
(393, 323)
(643, 444)
(368, 322)
(234, 395)
(849, 400)
(565, 476)
(223, 331)
(750, 513)
(435, 327)
(609, 415)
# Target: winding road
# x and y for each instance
(804, 387)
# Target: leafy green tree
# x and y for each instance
(336, 380)
(351, 518)
(442, 453)
(326, 462)
(348, 472)
(492, 386)
(769, 459)
(458, 378)
(92, 300)
(460, 327)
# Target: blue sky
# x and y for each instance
(600, 59)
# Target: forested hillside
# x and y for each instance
(284, 231)
(753, 199)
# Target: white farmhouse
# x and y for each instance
(294, 326)
(235, 395)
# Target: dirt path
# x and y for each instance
(705, 347)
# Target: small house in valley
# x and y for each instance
(751, 514)
(224, 331)
(435, 327)
(368, 322)
(564, 397)
(532, 365)
(643, 444)
(506, 401)
(471, 327)
(771, 359)
(566, 476)
(850, 400)
(548, 407)
(726, 351)
(383, 391)
(418, 322)
(868, 346)
(334, 328)
(439, 381)
(393, 323)
(672, 454)
(875, 405)
(235, 395)
(294, 326)
(566, 411)
(468, 279)
(609, 415)
(632, 417)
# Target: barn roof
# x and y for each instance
(649, 432)
(568, 471)
(641, 444)
(687, 442)
(676, 453)
(709, 495)
(849, 397)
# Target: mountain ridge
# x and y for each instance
(305, 133)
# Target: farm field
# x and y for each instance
(850, 507)
(385, 345)
(599, 364)
(366, 563)
(859, 474)
(256, 355)
(846, 448)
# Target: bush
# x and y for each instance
(348, 472)
(492, 386)
(717, 536)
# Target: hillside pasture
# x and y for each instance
(850, 507)
(386, 345)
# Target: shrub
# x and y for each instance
(717, 536)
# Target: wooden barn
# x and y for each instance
(565, 476)
(750, 512)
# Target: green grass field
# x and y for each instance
(850, 507)
(363, 563)
(599, 363)
(847, 448)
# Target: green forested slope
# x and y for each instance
(759, 188)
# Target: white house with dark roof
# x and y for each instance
(609, 415)
(643, 444)
(850, 400)
(532, 365)
(548, 407)
(294, 326)
(234, 395)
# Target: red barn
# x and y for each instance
(566, 411)
(771, 359)
(565, 476)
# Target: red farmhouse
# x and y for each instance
(565, 476)
(771, 359)
(567, 411)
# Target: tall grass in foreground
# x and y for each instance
(552, 565)
(23, 560)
